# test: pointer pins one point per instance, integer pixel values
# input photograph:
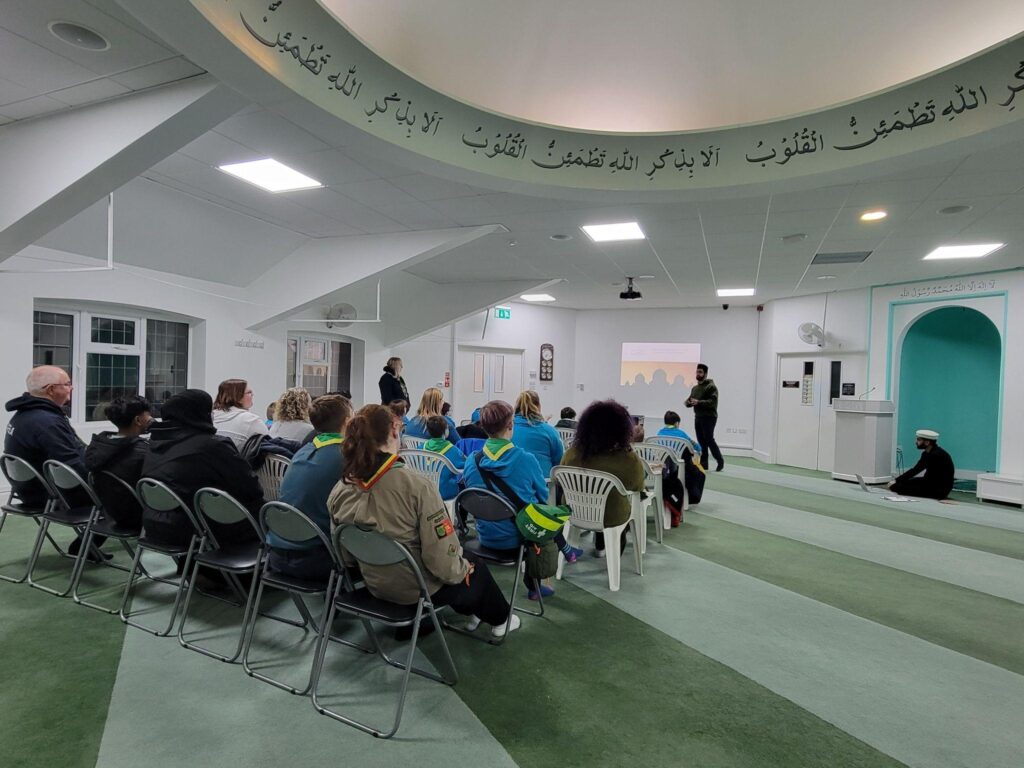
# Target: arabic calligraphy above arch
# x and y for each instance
(305, 48)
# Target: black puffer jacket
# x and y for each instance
(392, 387)
(39, 431)
(121, 456)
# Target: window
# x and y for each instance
(318, 365)
(114, 356)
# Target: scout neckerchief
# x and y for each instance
(495, 448)
(389, 462)
(438, 445)
(327, 438)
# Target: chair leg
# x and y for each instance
(515, 589)
(613, 556)
(572, 538)
(28, 564)
(637, 553)
(130, 584)
(75, 568)
(245, 617)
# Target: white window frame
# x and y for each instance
(301, 360)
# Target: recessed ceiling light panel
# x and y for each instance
(607, 233)
(796, 237)
(725, 292)
(953, 209)
(560, 237)
(270, 175)
(873, 215)
(78, 36)
(537, 297)
(976, 251)
(826, 277)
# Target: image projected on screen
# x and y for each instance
(657, 375)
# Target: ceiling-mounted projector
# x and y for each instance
(630, 294)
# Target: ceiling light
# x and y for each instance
(723, 292)
(537, 297)
(270, 175)
(873, 215)
(950, 209)
(964, 251)
(796, 237)
(78, 36)
(826, 277)
(560, 237)
(605, 233)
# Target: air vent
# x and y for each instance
(78, 36)
(845, 257)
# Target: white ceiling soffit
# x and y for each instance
(671, 66)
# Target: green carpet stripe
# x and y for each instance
(590, 685)
(984, 538)
(979, 625)
(58, 664)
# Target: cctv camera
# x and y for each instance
(725, 306)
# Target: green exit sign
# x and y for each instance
(503, 313)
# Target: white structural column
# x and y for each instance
(57, 166)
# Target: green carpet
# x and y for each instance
(987, 539)
(58, 665)
(590, 685)
(979, 625)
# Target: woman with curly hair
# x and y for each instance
(291, 416)
(604, 441)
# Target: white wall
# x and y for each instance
(728, 340)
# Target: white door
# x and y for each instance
(483, 374)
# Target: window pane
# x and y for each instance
(106, 330)
(107, 377)
(314, 379)
(341, 367)
(314, 352)
(293, 353)
(166, 361)
(52, 342)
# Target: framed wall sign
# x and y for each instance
(547, 362)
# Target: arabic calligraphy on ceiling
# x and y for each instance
(305, 48)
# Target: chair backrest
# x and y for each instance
(651, 453)
(586, 493)
(107, 482)
(64, 479)
(17, 470)
(413, 443)
(673, 443)
(292, 524)
(220, 507)
(158, 496)
(270, 475)
(427, 463)
(371, 547)
(567, 434)
(484, 505)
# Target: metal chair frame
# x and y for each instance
(16, 469)
(586, 493)
(270, 475)
(374, 548)
(157, 495)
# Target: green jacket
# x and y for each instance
(626, 466)
(706, 395)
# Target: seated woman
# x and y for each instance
(187, 454)
(534, 435)
(430, 405)
(672, 429)
(436, 428)
(231, 415)
(400, 408)
(379, 492)
(604, 442)
(120, 453)
(291, 416)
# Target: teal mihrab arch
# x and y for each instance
(949, 381)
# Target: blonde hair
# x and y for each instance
(430, 403)
(528, 405)
(391, 362)
(293, 405)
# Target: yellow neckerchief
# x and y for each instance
(445, 450)
(388, 464)
(497, 454)
(327, 438)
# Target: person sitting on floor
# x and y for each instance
(122, 454)
(187, 454)
(449, 484)
(307, 484)
(935, 463)
(430, 405)
(672, 429)
(534, 435)
(378, 492)
(291, 416)
(604, 442)
(567, 418)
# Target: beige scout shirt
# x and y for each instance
(406, 507)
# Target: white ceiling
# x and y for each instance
(666, 65)
(184, 216)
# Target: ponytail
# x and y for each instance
(365, 434)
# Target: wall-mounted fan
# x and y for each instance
(338, 315)
(811, 333)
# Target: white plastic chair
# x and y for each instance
(431, 465)
(271, 474)
(586, 493)
(567, 435)
(676, 445)
(410, 443)
(654, 458)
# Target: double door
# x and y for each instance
(483, 374)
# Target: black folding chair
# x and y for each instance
(373, 548)
(16, 470)
(157, 496)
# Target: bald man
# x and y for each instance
(39, 431)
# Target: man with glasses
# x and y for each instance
(39, 430)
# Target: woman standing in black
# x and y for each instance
(392, 385)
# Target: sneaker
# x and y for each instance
(545, 591)
(599, 553)
(573, 555)
(472, 624)
(513, 624)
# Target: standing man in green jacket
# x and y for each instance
(704, 401)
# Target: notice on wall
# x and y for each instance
(849, 389)
(807, 390)
(790, 384)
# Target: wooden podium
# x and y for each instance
(863, 440)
